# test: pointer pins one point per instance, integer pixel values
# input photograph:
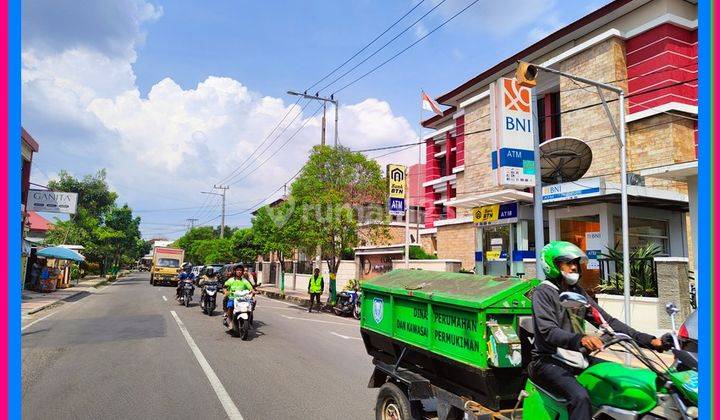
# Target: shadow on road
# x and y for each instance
(253, 333)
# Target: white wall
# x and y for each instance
(643, 312)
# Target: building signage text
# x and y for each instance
(52, 201)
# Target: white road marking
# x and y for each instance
(230, 408)
(320, 320)
(344, 336)
(164, 298)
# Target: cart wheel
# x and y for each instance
(392, 404)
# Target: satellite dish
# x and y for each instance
(564, 159)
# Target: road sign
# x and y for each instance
(396, 206)
(396, 180)
(52, 201)
(511, 129)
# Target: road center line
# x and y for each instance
(164, 298)
(320, 320)
(222, 394)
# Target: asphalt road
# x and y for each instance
(130, 351)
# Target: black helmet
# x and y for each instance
(210, 272)
(238, 267)
(187, 266)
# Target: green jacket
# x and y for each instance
(233, 285)
(316, 284)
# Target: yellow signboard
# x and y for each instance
(493, 255)
(396, 175)
(486, 214)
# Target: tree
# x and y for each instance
(109, 234)
(187, 241)
(244, 246)
(278, 229)
(94, 195)
(329, 191)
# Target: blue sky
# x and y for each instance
(171, 96)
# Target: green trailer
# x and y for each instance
(455, 331)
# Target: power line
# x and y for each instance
(247, 159)
(281, 146)
(406, 48)
(366, 45)
(383, 46)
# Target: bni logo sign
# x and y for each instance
(515, 97)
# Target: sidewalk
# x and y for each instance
(33, 302)
(301, 297)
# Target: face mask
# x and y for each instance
(571, 278)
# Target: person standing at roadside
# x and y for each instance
(315, 289)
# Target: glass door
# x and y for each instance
(497, 250)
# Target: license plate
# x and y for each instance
(244, 316)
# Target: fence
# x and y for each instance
(304, 267)
(643, 277)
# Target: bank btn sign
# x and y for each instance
(512, 155)
(397, 186)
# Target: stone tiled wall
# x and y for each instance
(603, 62)
(673, 286)
(457, 242)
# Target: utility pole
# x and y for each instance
(222, 215)
(324, 124)
(191, 222)
(317, 97)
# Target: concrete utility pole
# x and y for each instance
(191, 222)
(317, 97)
(222, 215)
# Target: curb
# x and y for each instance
(278, 296)
(51, 304)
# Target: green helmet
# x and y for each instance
(556, 252)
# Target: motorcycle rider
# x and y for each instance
(558, 330)
(185, 276)
(208, 277)
(235, 284)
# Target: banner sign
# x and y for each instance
(396, 206)
(397, 186)
(583, 188)
(495, 214)
(52, 201)
(511, 129)
(593, 249)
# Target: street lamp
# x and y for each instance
(317, 97)
(526, 75)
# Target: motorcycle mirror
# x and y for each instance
(572, 300)
(671, 308)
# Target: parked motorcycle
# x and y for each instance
(242, 314)
(618, 391)
(208, 297)
(348, 303)
(186, 292)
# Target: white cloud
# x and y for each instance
(420, 30)
(162, 149)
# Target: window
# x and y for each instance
(643, 232)
(441, 212)
(168, 262)
(548, 108)
(442, 162)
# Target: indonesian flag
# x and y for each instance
(430, 104)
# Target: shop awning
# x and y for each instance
(675, 172)
(495, 197)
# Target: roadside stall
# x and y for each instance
(58, 267)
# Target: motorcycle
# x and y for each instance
(186, 292)
(242, 313)
(348, 303)
(208, 297)
(618, 391)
